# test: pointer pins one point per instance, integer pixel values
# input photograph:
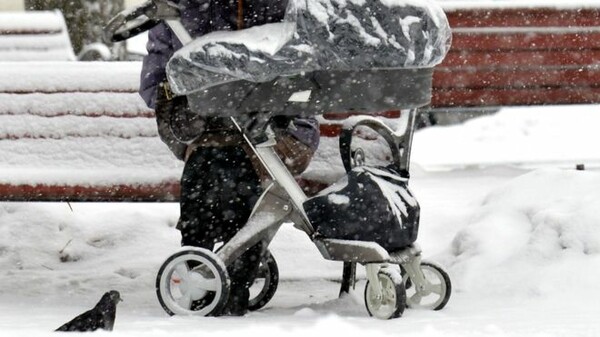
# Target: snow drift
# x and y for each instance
(537, 235)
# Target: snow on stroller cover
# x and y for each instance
(353, 55)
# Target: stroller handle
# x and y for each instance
(139, 19)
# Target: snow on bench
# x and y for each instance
(80, 131)
(32, 36)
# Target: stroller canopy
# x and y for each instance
(317, 35)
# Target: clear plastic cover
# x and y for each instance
(317, 35)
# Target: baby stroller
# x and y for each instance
(327, 56)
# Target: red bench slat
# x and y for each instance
(504, 97)
(523, 17)
(523, 58)
(507, 40)
(444, 78)
(167, 191)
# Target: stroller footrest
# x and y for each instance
(405, 255)
(352, 251)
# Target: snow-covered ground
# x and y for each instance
(502, 209)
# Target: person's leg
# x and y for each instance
(218, 191)
(241, 189)
(243, 272)
(200, 201)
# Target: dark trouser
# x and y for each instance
(218, 191)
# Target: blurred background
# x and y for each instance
(84, 20)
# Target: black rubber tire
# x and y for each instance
(393, 276)
(270, 272)
(211, 258)
(445, 278)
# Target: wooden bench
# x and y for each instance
(507, 53)
(79, 132)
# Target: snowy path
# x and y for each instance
(305, 302)
(522, 248)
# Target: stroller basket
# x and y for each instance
(318, 92)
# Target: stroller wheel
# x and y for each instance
(432, 295)
(193, 281)
(392, 301)
(265, 284)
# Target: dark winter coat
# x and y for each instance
(200, 17)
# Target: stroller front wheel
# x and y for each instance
(193, 281)
(390, 303)
(432, 295)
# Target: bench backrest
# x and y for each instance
(34, 36)
(520, 53)
(80, 131)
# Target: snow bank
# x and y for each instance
(46, 250)
(534, 239)
(553, 136)
(537, 235)
(100, 246)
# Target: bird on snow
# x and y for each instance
(102, 316)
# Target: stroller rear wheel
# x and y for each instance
(432, 295)
(193, 281)
(265, 284)
(390, 303)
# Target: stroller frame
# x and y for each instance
(281, 202)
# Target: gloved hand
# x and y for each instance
(281, 122)
(254, 125)
(185, 125)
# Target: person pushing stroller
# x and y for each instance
(221, 180)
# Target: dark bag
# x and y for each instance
(369, 204)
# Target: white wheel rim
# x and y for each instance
(385, 306)
(431, 294)
(179, 285)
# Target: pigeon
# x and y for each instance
(102, 316)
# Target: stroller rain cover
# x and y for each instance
(317, 35)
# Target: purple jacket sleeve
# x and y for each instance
(162, 45)
(160, 49)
